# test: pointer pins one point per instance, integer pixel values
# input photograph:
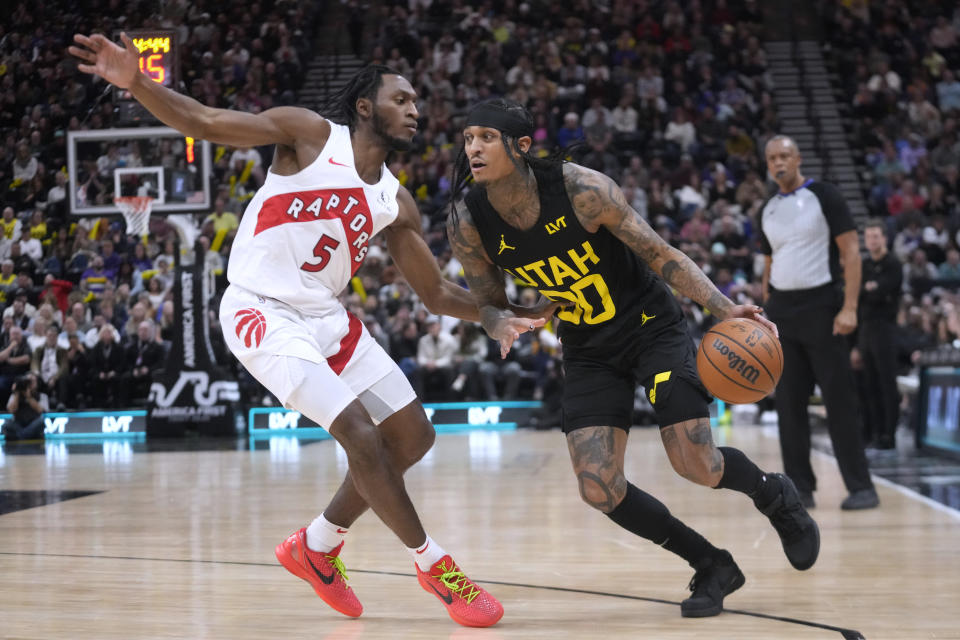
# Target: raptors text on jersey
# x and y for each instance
(302, 237)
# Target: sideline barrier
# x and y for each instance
(91, 425)
(447, 417)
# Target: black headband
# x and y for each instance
(503, 120)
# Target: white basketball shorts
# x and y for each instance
(314, 365)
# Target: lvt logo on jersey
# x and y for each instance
(251, 327)
(556, 225)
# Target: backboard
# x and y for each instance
(159, 162)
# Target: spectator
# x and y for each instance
(435, 352)
(404, 343)
(93, 334)
(877, 337)
(221, 220)
(571, 132)
(14, 358)
(75, 381)
(94, 279)
(25, 166)
(49, 362)
(949, 270)
(948, 92)
(12, 227)
(141, 262)
(107, 367)
(471, 352)
(19, 311)
(681, 131)
(37, 335)
(81, 321)
(27, 405)
(144, 356)
(918, 273)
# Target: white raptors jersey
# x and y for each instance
(302, 237)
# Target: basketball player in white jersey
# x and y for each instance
(300, 240)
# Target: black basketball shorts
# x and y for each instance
(598, 388)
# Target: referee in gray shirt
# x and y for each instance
(806, 232)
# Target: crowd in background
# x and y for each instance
(899, 66)
(673, 100)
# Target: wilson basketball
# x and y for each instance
(740, 361)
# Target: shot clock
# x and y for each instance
(158, 56)
(159, 61)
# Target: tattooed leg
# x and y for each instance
(597, 456)
(690, 447)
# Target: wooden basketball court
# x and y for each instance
(180, 545)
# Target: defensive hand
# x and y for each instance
(117, 65)
(509, 329)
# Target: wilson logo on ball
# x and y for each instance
(735, 362)
(251, 327)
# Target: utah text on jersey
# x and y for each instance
(586, 290)
(347, 205)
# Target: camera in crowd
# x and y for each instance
(22, 384)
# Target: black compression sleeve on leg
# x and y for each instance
(642, 514)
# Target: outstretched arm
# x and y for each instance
(413, 258)
(120, 66)
(497, 316)
(598, 201)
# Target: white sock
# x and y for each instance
(323, 535)
(427, 554)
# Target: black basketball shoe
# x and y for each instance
(716, 577)
(798, 532)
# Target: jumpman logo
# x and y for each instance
(644, 317)
(503, 245)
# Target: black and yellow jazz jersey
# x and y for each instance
(607, 283)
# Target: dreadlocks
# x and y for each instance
(341, 107)
(513, 121)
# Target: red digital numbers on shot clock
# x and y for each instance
(158, 60)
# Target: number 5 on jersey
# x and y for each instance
(324, 250)
(326, 245)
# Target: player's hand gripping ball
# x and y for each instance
(740, 361)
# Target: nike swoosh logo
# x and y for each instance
(339, 164)
(419, 551)
(446, 598)
(341, 530)
(326, 579)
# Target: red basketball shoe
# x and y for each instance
(324, 571)
(466, 603)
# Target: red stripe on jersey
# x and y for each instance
(349, 205)
(348, 345)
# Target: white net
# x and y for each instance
(136, 212)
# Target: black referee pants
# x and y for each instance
(812, 354)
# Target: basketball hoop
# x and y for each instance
(136, 212)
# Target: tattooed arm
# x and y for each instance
(499, 318)
(598, 201)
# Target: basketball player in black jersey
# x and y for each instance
(569, 232)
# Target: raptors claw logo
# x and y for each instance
(251, 327)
